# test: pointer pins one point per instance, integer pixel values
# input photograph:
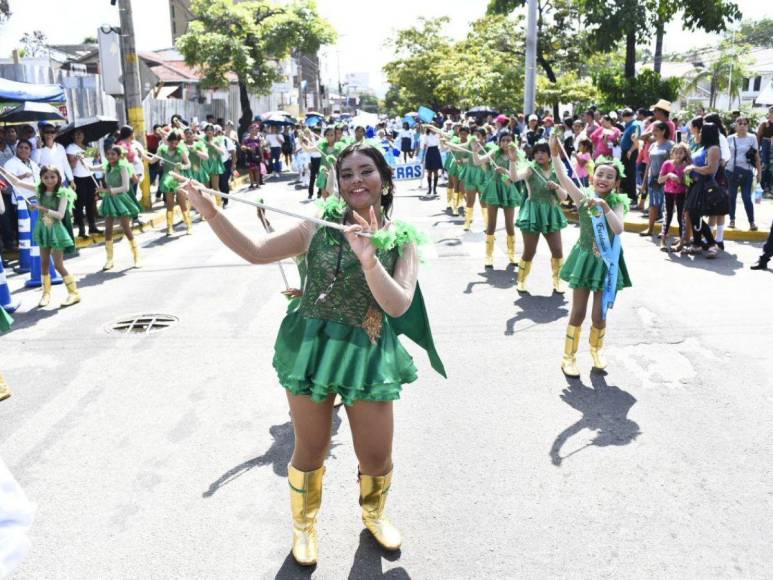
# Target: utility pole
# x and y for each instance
(131, 85)
(301, 97)
(530, 84)
(730, 76)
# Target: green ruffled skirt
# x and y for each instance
(540, 218)
(472, 176)
(198, 174)
(169, 184)
(52, 236)
(5, 320)
(321, 182)
(450, 165)
(213, 166)
(496, 192)
(583, 269)
(120, 205)
(319, 357)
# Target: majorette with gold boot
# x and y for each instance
(173, 156)
(117, 203)
(499, 191)
(540, 214)
(339, 336)
(51, 235)
(468, 175)
(596, 264)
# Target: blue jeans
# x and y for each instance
(276, 164)
(743, 178)
(656, 194)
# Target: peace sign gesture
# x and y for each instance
(362, 247)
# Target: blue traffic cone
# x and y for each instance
(25, 236)
(6, 301)
(35, 280)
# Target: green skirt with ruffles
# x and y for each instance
(583, 269)
(473, 177)
(540, 218)
(317, 358)
(119, 205)
(450, 165)
(321, 182)
(213, 166)
(52, 236)
(5, 320)
(198, 174)
(496, 192)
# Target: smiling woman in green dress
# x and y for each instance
(340, 335)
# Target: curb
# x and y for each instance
(734, 234)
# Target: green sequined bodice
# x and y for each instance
(538, 189)
(587, 239)
(49, 201)
(349, 301)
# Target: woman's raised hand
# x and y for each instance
(555, 146)
(202, 201)
(362, 247)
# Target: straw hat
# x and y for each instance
(662, 104)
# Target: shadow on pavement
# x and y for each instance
(604, 409)
(538, 309)
(278, 455)
(724, 264)
(367, 561)
(291, 570)
(502, 279)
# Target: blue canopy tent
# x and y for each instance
(16, 92)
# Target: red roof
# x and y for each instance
(174, 71)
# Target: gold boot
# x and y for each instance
(46, 298)
(5, 390)
(458, 204)
(135, 253)
(305, 499)
(188, 221)
(450, 197)
(73, 297)
(373, 496)
(555, 264)
(571, 343)
(484, 213)
(169, 222)
(511, 249)
(524, 268)
(468, 215)
(596, 340)
(489, 263)
(109, 251)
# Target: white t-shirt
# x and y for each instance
(55, 156)
(229, 147)
(274, 140)
(739, 146)
(80, 170)
(724, 149)
(405, 134)
(139, 166)
(17, 167)
(431, 140)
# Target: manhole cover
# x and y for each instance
(142, 324)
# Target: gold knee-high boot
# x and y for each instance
(73, 297)
(188, 221)
(458, 204)
(571, 344)
(524, 268)
(305, 499)
(5, 390)
(555, 264)
(169, 222)
(489, 263)
(373, 496)
(596, 340)
(135, 253)
(484, 213)
(450, 198)
(109, 251)
(511, 249)
(468, 215)
(46, 298)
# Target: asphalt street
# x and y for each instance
(165, 455)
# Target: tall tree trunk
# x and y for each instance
(659, 30)
(244, 100)
(630, 53)
(550, 73)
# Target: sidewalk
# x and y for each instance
(635, 221)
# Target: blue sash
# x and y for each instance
(610, 253)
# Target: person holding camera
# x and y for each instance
(744, 159)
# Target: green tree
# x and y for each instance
(248, 39)
(617, 90)
(369, 103)
(724, 75)
(756, 32)
(5, 11)
(580, 92)
(34, 43)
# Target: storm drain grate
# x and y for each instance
(142, 324)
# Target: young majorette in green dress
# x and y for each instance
(340, 336)
(469, 176)
(197, 155)
(117, 204)
(214, 163)
(173, 155)
(452, 169)
(601, 209)
(499, 191)
(540, 214)
(54, 201)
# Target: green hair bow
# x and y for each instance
(616, 163)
